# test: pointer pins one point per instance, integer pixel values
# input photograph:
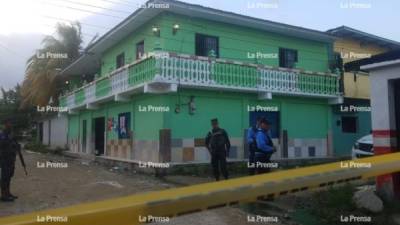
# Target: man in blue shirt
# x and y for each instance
(252, 145)
(265, 147)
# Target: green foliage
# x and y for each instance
(42, 85)
(328, 206)
(41, 148)
(20, 119)
(36, 147)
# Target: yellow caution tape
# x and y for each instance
(158, 205)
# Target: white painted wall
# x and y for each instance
(382, 98)
(46, 140)
(55, 131)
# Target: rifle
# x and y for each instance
(21, 157)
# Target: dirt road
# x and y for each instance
(83, 181)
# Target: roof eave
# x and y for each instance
(99, 46)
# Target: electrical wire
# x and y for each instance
(84, 10)
(94, 6)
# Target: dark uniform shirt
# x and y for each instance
(8, 154)
(217, 140)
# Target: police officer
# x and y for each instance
(252, 143)
(8, 153)
(218, 144)
(265, 147)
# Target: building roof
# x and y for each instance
(344, 31)
(90, 60)
(383, 59)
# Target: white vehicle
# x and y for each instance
(363, 147)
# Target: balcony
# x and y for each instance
(162, 72)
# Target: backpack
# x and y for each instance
(218, 140)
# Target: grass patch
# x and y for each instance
(40, 148)
(329, 205)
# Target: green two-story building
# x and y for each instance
(149, 87)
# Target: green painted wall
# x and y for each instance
(113, 110)
(235, 43)
(302, 118)
(73, 126)
(306, 120)
(128, 46)
(228, 108)
(343, 142)
(147, 123)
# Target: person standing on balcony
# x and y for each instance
(252, 145)
(265, 147)
(218, 144)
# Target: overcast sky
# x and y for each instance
(22, 28)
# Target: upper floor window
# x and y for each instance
(140, 50)
(205, 44)
(120, 60)
(287, 58)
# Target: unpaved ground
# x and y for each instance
(46, 188)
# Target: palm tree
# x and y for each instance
(42, 83)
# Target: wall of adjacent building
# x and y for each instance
(385, 123)
(356, 85)
(54, 132)
(344, 142)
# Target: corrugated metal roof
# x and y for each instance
(349, 32)
(387, 56)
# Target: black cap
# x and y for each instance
(260, 118)
(215, 120)
(265, 121)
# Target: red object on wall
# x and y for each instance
(110, 124)
(392, 180)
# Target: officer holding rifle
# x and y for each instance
(9, 148)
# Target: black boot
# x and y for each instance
(9, 192)
(13, 196)
(5, 197)
(5, 192)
